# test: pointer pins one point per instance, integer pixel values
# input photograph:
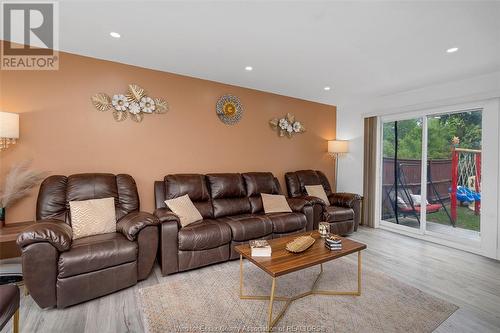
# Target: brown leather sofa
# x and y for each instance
(9, 306)
(344, 209)
(232, 211)
(59, 271)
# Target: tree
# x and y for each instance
(441, 130)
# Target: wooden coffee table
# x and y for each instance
(283, 262)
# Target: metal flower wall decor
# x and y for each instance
(134, 104)
(287, 125)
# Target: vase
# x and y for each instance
(2, 217)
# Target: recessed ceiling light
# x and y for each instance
(114, 34)
(249, 68)
(452, 49)
(327, 88)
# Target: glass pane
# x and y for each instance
(454, 174)
(401, 171)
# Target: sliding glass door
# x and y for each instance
(431, 175)
(401, 171)
(454, 174)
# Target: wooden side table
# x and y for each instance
(8, 246)
(8, 236)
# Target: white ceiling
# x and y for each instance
(360, 49)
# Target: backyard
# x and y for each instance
(453, 167)
(466, 219)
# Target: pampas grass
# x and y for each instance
(18, 183)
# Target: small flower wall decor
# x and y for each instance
(134, 103)
(287, 125)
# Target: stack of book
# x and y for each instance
(260, 248)
(333, 243)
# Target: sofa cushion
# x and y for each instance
(257, 183)
(93, 253)
(195, 186)
(204, 235)
(57, 191)
(228, 194)
(234, 206)
(336, 214)
(287, 222)
(226, 185)
(248, 226)
(260, 182)
(296, 182)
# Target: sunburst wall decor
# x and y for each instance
(229, 109)
(134, 104)
(287, 125)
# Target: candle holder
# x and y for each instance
(324, 229)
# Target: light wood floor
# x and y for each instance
(472, 282)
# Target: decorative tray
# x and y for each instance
(300, 244)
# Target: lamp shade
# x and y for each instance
(9, 125)
(338, 146)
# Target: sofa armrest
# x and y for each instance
(168, 251)
(347, 200)
(131, 224)
(313, 200)
(166, 215)
(56, 232)
(298, 204)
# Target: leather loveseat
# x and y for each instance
(232, 211)
(59, 271)
(343, 211)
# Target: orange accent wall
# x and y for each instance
(63, 134)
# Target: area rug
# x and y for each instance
(206, 300)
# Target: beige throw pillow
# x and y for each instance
(185, 209)
(275, 203)
(92, 217)
(317, 191)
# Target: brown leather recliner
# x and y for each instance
(232, 212)
(60, 271)
(344, 209)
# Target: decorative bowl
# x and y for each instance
(300, 244)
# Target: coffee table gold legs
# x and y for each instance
(241, 276)
(359, 273)
(272, 322)
(270, 310)
(262, 297)
(15, 322)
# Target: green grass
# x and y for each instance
(466, 219)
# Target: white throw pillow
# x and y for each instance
(417, 199)
(275, 203)
(92, 217)
(317, 191)
(185, 209)
(401, 203)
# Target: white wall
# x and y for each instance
(350, 116)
